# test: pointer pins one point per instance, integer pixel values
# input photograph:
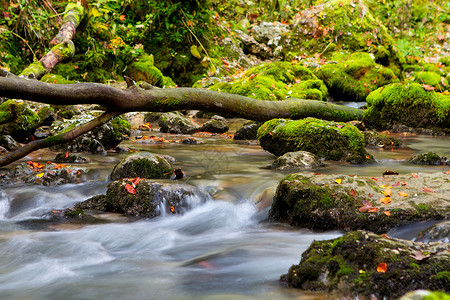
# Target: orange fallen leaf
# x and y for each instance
(66, 155)
(385, 200)
(403, 194)
(388, 192)
(382, 268)
(135, 181)
(59, 166)
(130, 189)
(353, 192)
(373, 209)
(385, 235)
(414, 175)
(403, 183)
(122, 17)
(387, 213)
(427, 190)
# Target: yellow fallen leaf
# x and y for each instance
(385, 186)
(40, 175)
(388, 192)
(403, 194)
(385, 200)
(338, 181)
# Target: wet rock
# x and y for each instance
(407, 104)
(151, 198)
(326, 139)
(152, 116)
(253, 47)
(175, 122)
(70, 158)
(8, 143)
(296, 160)
(17, 120)
(67, 111)
(247, 132)
(102, 138)
(269, 33)
(217, 124)
(328, 202)
(425, 295)
(143, 165)
(189, 141)
(3, 150)
(49, 174)
(429, 158)
(438, 232)
(364, 265)
(276, 81)
(380, 140)
(233, 49)
(353, 77)
(42, 132)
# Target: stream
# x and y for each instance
(221, 249)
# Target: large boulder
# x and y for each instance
(143, 165)
(247, 131)
(217, 124)
(343, 25)
(143, 198)
(408, 104)
(17, 120)
(365, 265)
(175, 122)
(327, 202)
(276, 81)
(353, 77)
(327, 139)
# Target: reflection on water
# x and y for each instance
(221, 249)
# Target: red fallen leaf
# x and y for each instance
(135, 181)
(69, 171)
(403, 183)
(382, 268)
(414, 175)
(396, 184)
(353, 192)
(374, 178)
(427, 190)
(130, 189)
(373, 209)
(317, 174)
(370, 195)
(339, 126)
(385, 235)
(364, 208)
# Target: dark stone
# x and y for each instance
(177, 123)
(217, 124)
(8, 143)
(247, 132)
(429, 158)
(71, 158)
(347, 267)
(380, 140)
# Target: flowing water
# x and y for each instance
(221, 249)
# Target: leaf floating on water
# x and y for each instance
(403, 194)
(414, 175)
(419, 255)
(130, 189)
(390, 173)
(338, 181)
(382, 268)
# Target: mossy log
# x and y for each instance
(63, 46)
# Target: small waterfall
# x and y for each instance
(4, 205)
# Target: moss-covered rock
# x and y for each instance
(17, 120)
(145, 70)
(55, 78)
(408, 104)
(276, 81)
(70, 158)
(327, 202)
(148, 198)
(296, 160)
(353, 77)
(143, 165)
(342, 25)
(327, 139)
(7, 142)
(432, 79)
(217, 124)
(429, 158)
(366, 265)
(175, 122)
(374, 139)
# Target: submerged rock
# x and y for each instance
(326, 139)
(175, 122)
(438, 232)
(296, 160)
(429, 158)
(217, 124)
(407, 104)
(146, 198)
(327, 202)
(364, 265)
(143, 165)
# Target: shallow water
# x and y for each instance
(221, 249)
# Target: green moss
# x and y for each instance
(34, 70)
(54, 78)
(431, 78)
(168, 102)
(354, 77)
(276, 81)
(444, 275)
(330, 140)
(17, 119)
(145, 70)
(445, 61)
